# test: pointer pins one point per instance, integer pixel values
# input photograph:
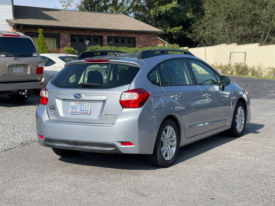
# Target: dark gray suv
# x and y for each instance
(21, 67)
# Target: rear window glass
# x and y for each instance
(67, 58)
(96, 76)
(12, 47)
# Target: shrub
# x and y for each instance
(70, 50)
(41, 43)
(131, 49)
(244, 70)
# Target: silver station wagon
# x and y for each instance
(150, 103)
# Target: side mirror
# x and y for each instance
(224, 81)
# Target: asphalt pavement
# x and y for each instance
(219, 170)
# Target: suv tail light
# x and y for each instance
(44, 96)
(135, 98)
(39, 68)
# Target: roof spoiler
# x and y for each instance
(157, 52)
(84, 55)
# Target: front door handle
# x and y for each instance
(175, 96)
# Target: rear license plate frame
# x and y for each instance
(78, 109)
(18, 70)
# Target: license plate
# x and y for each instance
(80, 108)
(18, 70)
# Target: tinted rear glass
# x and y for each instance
(12, 47)
(67, 58)
(104, 75)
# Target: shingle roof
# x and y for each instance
(56, 18)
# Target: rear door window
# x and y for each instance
(97, 76)
(178, 72)
(165, 80)
(12, 47)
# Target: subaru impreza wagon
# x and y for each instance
(150, 103)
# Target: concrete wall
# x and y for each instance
(256, 55)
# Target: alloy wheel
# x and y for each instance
(240, 119)
(168, 143)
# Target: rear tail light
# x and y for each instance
(39, 68)
(44, 96)
(41, 137)
(97, 60)
(135, 98)
(126, 143)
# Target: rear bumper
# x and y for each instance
(81, 145)
(22, 85)
(131, 126)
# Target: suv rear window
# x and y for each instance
(12, 47)
(96, 76)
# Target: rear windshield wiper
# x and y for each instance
(90, 85)
(23, 55)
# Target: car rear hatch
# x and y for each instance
(19, 59)
(89, 92)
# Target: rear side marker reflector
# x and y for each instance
(41, 137)
(44, 96)
(135, 98)
(126, 143)
(97, 60)
(11, 35)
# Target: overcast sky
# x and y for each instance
(39, 3)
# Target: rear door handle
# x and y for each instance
(175, 96)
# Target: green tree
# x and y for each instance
(174, 17)
(41, 43)
(235, 21)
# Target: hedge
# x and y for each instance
(132, 49)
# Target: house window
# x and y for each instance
(81, 39)
(52, 40)
(73, 39)
(96, 40)
(122, 41)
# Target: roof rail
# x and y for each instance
(84, 55)
(156, 52)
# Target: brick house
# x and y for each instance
(65, 28)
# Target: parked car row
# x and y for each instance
(150, 103)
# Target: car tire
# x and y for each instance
(238, 121)
(166, 149)
(65, 153)
(18, 97)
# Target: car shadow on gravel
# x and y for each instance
(138, 162)
(32, 100)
